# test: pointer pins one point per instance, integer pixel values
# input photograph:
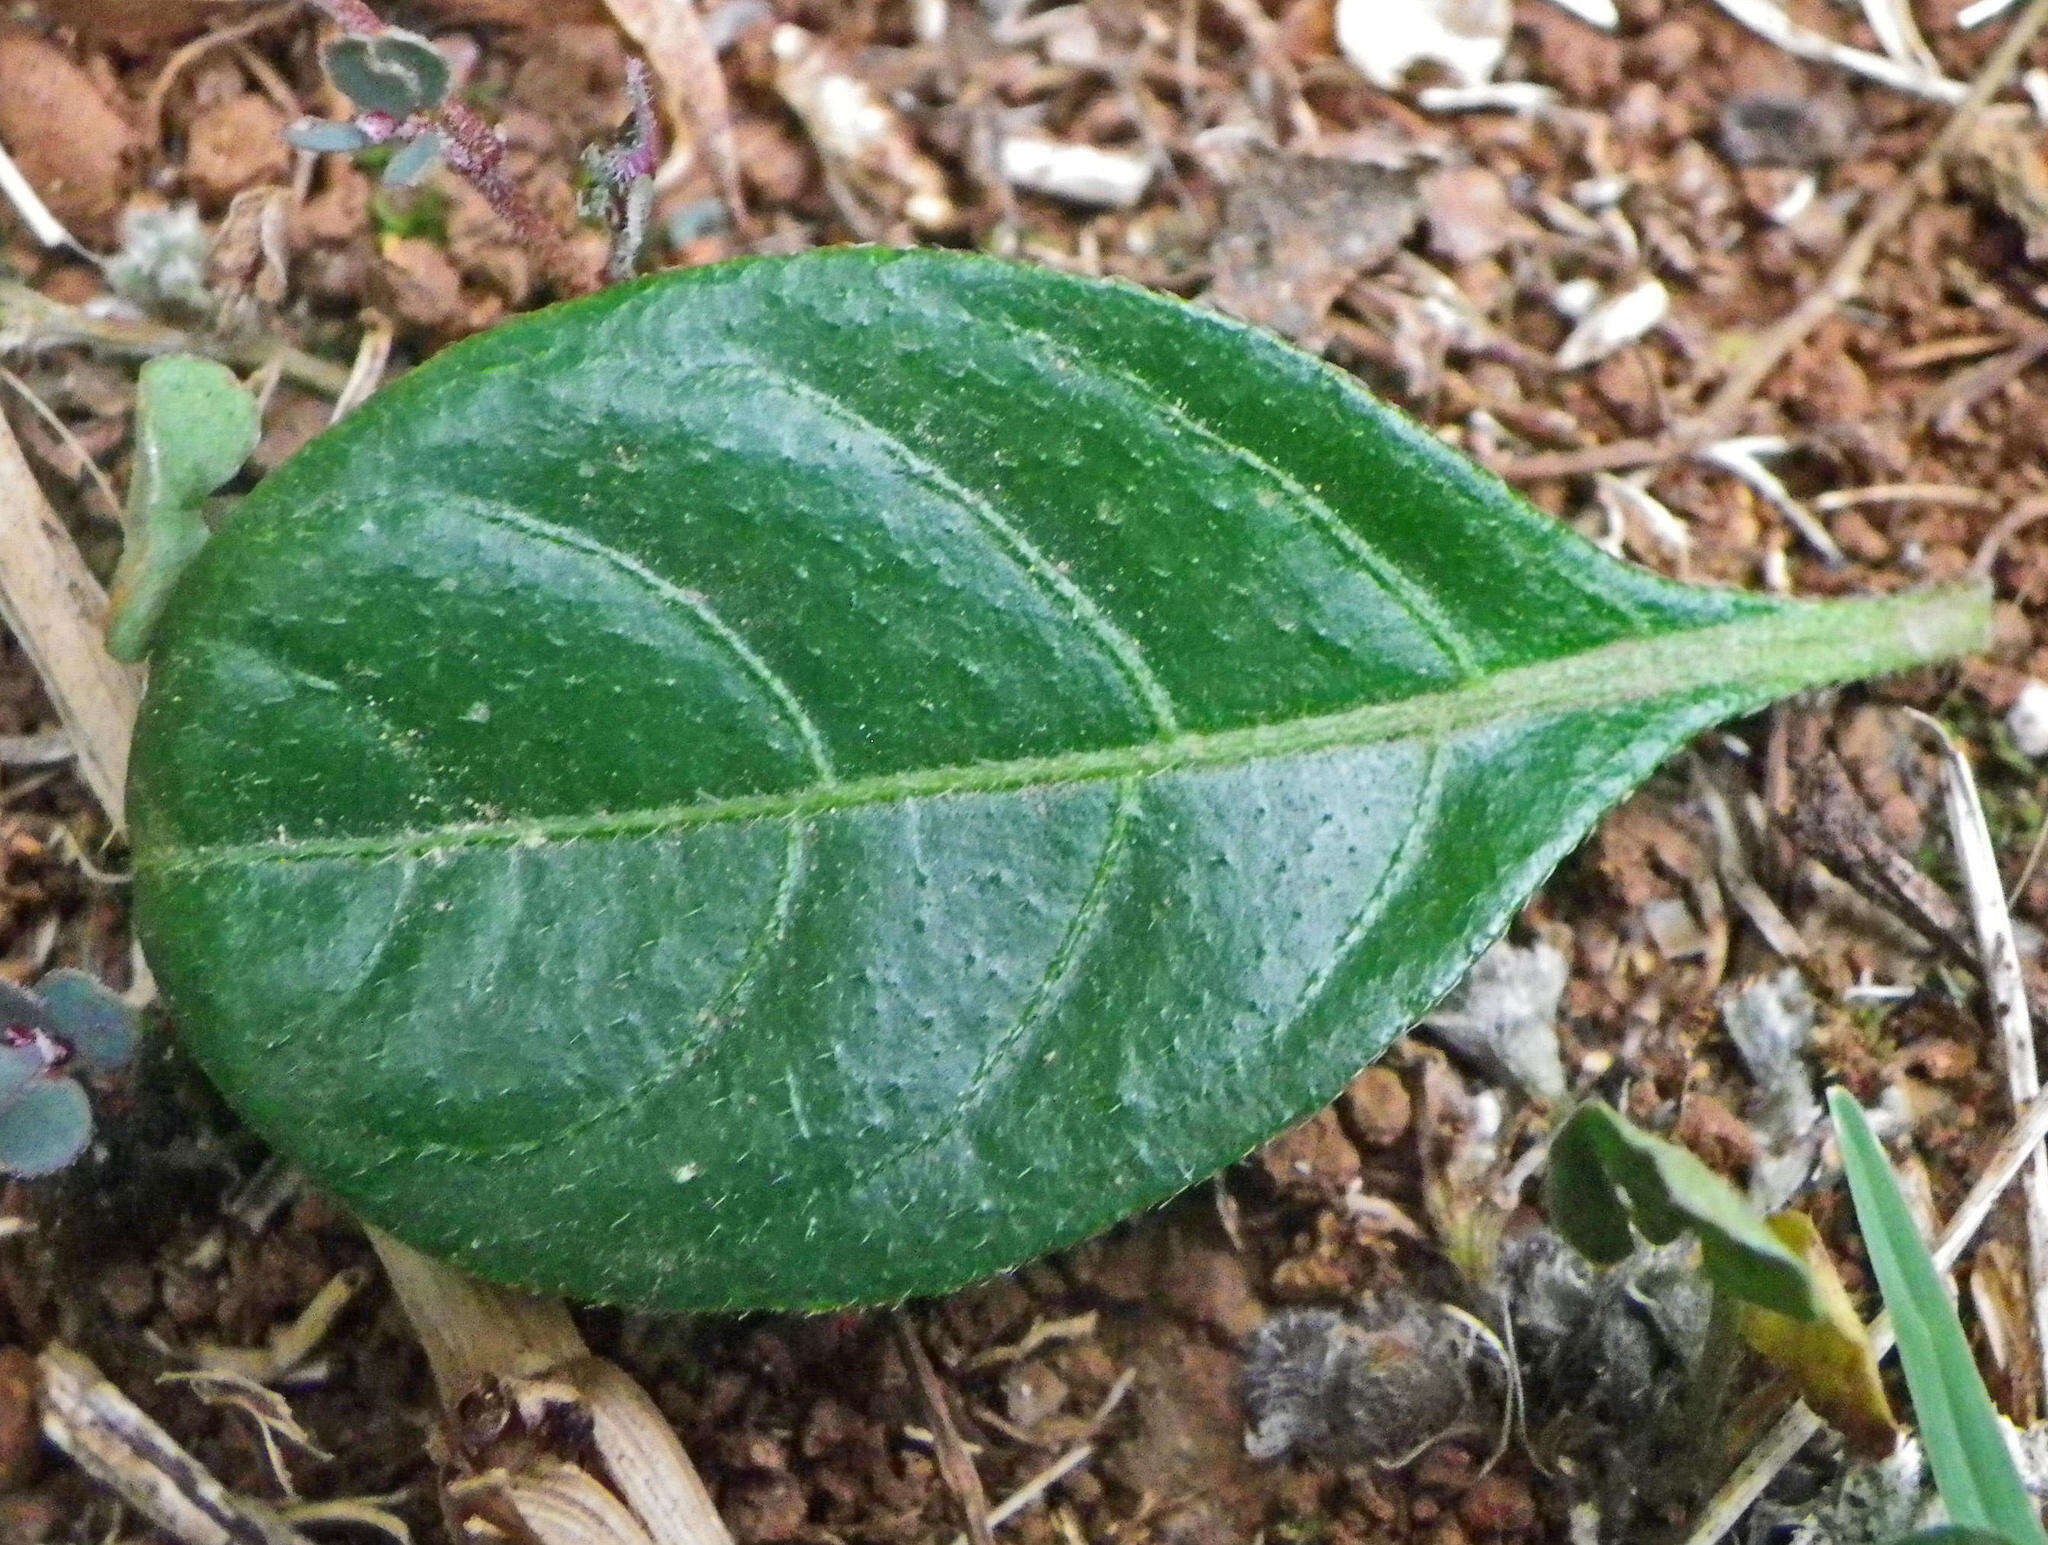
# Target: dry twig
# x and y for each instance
(53, 605)
(107, 1435)
(956, 1466)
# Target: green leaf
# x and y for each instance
(1955, 1534)
(195, 425)
(818, 779)
(1600, 1157)
(395, 72)
(1959, 1427)
(1583, 1205)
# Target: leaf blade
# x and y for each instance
(827, 851)
(1958, 1423)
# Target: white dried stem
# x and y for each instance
(1999, 952)
(1898, 34)
(1768, 20)
(107, 1435)
(35, 214)
(1742, 457)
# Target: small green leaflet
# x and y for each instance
(818, 779)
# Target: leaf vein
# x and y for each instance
(1008, 539)
(701, 610)
(1304, 503)
(1749, 661)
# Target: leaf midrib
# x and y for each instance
(1757, 658)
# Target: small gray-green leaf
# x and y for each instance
(817, 779)
(21, 1063)
(395, 72)
(195, 425)
(45, 1128)
(321, 136)
(414, 160)
(94, 1020)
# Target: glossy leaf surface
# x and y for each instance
(818, 779)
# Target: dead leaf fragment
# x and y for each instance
(421, 286)
(1471, 217)
(1830, 1360)
(1298, 229)
(2000, 161)
(1080, 174)
(860, 137)
(1772, 128)
(1615, 323)
(234, 145)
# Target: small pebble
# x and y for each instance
(2028, 719)
(1498, 1504)
(1379, 1107)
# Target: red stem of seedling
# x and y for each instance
(353, 16)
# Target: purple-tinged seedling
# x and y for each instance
(619, 187)
(402, 85)
(73, 1021)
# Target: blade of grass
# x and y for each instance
(1958, 1424)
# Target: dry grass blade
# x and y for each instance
(643, 1457)
(54, 606)
(562, 1505)
(477, 1336)
(956, 1466)
(107, 1435)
